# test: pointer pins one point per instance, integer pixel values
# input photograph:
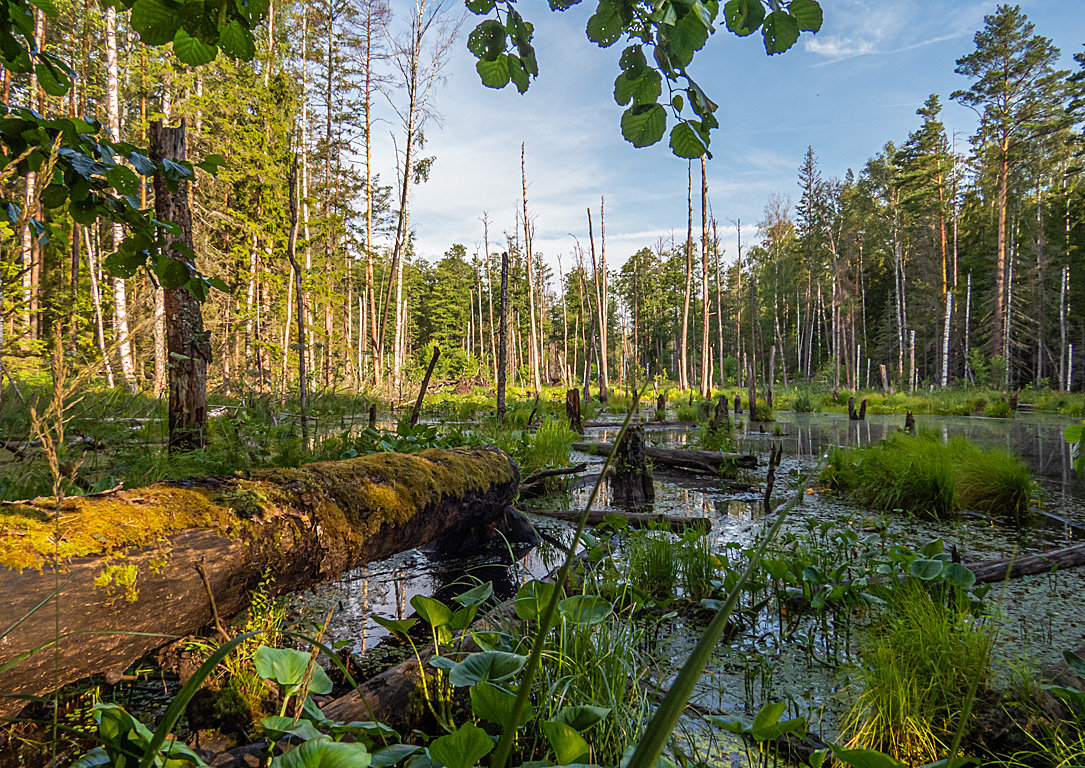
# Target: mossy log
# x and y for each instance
(129, 564)
(683, 458)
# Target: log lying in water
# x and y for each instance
(682, 458)
(1026, 565)
(636, 519)
(129, 561)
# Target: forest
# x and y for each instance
(946, 261)
(278, 491)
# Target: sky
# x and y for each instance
(845, 91)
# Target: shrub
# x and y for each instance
(1000, 409)
(803, 403)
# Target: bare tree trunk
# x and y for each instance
(534, 356)
(945, 339)
(96, 301)
(489, 291)
(120, 294)
(738, 314)
(565, 377)
(683, 352)
(719, 304)
(706, 381)
(967, 329)
(1064, 286)
(188, 347)
(502, 351)
(291, 253)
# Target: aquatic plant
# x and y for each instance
(549, 446)
(803, 403)
(914, 676)
(923, 475)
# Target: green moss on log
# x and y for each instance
(350, 500)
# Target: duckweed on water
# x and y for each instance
(922, 475)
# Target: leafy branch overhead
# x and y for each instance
(95, 176)
(663, 39)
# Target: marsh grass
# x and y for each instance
(923, 475)
(915, 675)
(653, 563)
(697, 564)
(550, 446)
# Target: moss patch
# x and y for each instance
(352, 499)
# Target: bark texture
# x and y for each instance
(127, 562)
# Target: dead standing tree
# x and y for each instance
(187, 344)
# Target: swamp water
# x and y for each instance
(802, 660)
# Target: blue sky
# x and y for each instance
(845, 92)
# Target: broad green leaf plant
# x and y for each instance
(662, 39)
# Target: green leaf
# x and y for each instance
(486, 666)
(156, 21)
(278, 726)
(494, 74)
(286, 667)
(52, 80)
(743, 17)
(324, 753)
(865, 758)
(392, 754)
(581, 717)
(1074, 662)
(212, 163)
(641, 89)
(632, 62)
(476, 595)
(462, 748)
(569, 746)
(433, 612)
(767, 726)
(487, 40)
(606, 25)
(807, 14)
(958, 575)
(494, 704)
(925, 569)
(517, 74)
(1073, 433)
(192, 51)
(644, 125)
(532, 598)
(586, 609)
(236, 41)
(780, 31)
(480, 7)
(173, 274)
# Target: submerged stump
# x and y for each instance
(138, 569)
(632, 481)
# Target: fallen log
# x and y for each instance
(128, 562)
(988, 571)
(676, 523)
(681, 457)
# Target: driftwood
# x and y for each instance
(636, 519)
(988, 571)
(129, 562)
(535, 484)
(425, 384)
(683, 458)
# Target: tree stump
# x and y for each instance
(909, 422)
(852, 415)
(572, 410)
(862, 410)
(661, 407)
(738, 403)
(632, 482)
(721, 419)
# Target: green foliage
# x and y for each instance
(925, 476)
(914, 676)
(803, 403)
(673, 31)
(1075, 436)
